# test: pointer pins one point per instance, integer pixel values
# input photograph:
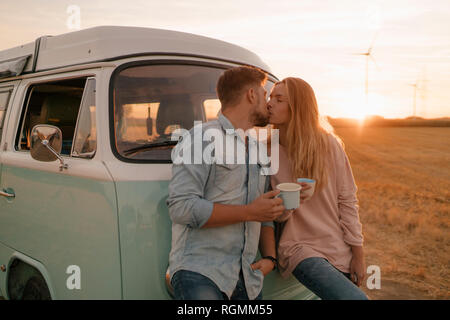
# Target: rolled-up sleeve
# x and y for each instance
(268, 224)
(186, 202)
(348, 201)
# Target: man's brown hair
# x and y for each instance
(235, 81)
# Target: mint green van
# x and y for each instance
(85, 124)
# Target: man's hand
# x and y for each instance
(265, 265)
(357, 266)
(262, 209)
(265, 207)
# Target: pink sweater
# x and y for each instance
(325, 225)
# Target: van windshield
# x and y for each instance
(151, 101)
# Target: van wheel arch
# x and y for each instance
(36, 289)
(25, 282)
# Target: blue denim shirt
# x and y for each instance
(218, 253)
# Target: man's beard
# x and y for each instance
(258, 119)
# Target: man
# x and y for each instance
(217, 208)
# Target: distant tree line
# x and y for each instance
(377, 121)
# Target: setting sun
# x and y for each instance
(352, 104)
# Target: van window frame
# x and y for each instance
(26, 101)
(181, 62)
(82, 105)
(8, 89)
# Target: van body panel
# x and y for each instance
(55, 218)
(145, 238)
(278, 288)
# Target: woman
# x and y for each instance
(321, 242)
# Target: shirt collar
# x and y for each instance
(228, 127)
(225, 123)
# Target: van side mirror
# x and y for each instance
(46, 144)
(149, 123)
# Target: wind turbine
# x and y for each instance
(420, 86)
(368, 55)
(415, 85)
(423, 89)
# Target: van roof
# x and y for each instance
(106, 43)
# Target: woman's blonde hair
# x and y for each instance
(308, 143)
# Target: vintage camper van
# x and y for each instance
(85, 123)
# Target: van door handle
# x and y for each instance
(7, 193)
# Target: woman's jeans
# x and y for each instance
(327, 282)
(189, 285)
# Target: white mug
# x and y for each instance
(290, 193)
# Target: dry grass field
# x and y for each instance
(403, 178)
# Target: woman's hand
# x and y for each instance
(285, 216)
(305, 187)
(264, 265)
(357, 266)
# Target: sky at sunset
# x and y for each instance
(314, 40)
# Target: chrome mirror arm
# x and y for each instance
(62, 165)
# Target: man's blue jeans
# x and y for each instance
(189, 285)
(327, 282)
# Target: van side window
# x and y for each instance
(56, 103)
(85, 143)
(4, 99)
